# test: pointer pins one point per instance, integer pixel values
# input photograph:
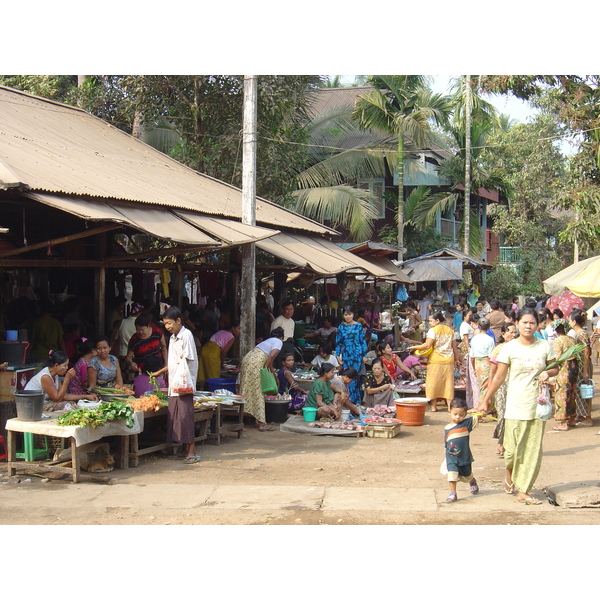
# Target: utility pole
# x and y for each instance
(248, 276)
(466, 245)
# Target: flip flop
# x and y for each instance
(510, 486)
(452, 497)
(531, 501)
(583, 424)
(474, 487)
(267, 428)
(190, 460)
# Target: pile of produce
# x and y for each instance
(379, 410)
(147, 403)
(119, 390)
(96, 417)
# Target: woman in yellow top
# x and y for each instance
(439, 384)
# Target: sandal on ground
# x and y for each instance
(474, 487)
(266, 428)
(564, 427)
(509, 488)
(190, 460)
(531, 501)
(584, 424)
(452, 497)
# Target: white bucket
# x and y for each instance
(345, 414)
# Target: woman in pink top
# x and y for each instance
(212, 355)
(78, 383)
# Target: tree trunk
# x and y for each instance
(401, 196)
(466, 245)
(198, 122)
(136, 130)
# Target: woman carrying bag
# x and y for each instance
(260, 359)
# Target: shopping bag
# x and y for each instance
(267, 381)
(182, 380)
(543, 410)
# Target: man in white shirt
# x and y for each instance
(287, 323)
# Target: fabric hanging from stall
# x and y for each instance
(165, 279)
(210, 284)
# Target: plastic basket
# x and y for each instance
(411, 413)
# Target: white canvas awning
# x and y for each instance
(434, 269)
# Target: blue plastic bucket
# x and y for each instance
(221, 383)
(310, 413)
(12, 335)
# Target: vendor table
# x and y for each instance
(222, 410)
(202, 417)
(78, 435)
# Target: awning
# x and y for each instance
(582, 278)
(434, 269)
(320, 255)
(397, 274)
(228, 231)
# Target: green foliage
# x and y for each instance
(502, 283)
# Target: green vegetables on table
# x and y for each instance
(96, 417)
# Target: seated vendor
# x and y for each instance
(325, 334)
(325, 356)
(393, 365)
(323, 397)
(339, 384)
(379, 388)
(104, 370)
(288, 385)
(55, 391)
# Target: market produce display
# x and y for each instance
(96, 417)
(148, 403)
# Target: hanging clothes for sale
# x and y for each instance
(165, 279)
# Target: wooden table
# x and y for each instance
(78, 436)
(202, 417)
(218, 428)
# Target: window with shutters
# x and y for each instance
(376, 187)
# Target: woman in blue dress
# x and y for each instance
(351, 347)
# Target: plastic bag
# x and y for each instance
(444, 467)
(543, 410)
(182, 380)
(268, 382)
(401, 293)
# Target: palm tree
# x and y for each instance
(340, 154)
(401, 106)
(484, 121)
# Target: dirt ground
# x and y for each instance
(289, 479)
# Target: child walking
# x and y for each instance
(458, 451)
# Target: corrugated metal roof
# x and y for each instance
(318, 254)
(52, 147)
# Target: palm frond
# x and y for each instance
(343, 205)
(417, 196)
(424, 213)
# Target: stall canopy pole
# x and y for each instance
(248, 275)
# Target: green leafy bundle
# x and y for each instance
(96, 417)
(566, 355)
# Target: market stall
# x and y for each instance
(78, 435)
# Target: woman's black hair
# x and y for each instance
(560, 329)
(349, 309)
(326, 349)
(484, 323)
(325, 368)
(381, 346)
(438, 316)
(57, 357)
(153, 363)
(350, 372)
(559, 313)
(526, 310)
(83, 348)
(277, 332)
(377, 361)
(504, 329)
(494, 305)
(142, 321)
(578, 316)
(102, 338)
(285, 355)
(172, 313)
(473, 317)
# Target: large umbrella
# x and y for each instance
(567, 301)
(582, 278)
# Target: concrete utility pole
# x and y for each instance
(466, 245)
(248, 278)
